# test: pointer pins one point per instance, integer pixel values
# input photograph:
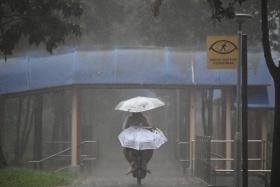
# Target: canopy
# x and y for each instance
(121, 66)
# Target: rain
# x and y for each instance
(59, 111)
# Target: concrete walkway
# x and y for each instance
(163, 175)
(128, 181)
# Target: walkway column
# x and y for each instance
(192, 126)
(228, 129)
(74, 130)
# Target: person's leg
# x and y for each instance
(128, 154)
(147, 155)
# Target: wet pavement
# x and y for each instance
(164, 175)
(111, 168)
(149, 181)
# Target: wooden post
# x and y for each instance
(74, 131)
(228, 129)
(192, 126)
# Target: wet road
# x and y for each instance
(164, 175)
(150, 181)
(110, 169)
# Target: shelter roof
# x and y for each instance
(121, 66)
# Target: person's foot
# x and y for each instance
(130, 170)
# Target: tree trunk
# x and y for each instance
(57, 121)
(17, 143)
(3, 162)
(275, 73)
(23, 128)
(207, 108)
(275, 179)
(38, 128)
(210, 111)
(28, 124)
(203, 111)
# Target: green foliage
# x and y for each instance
(40, 21)
(221, 10)
(15, 177)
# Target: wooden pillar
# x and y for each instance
(74, 130)
(228, 127)
(192, 126)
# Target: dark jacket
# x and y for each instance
(136, 119)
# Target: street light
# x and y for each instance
(241, 18)
(241, 104)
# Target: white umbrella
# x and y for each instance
(141, 138)
(139, 104)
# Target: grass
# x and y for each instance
(20, 177)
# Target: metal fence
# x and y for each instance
(202, 164)
(183, 154)
(209, 161)
(61, 159)
(257, 155)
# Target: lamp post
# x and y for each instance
(241, 105)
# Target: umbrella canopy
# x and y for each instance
(139, 104)
(141, 138)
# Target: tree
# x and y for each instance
(38, 21)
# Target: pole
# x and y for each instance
(238, 112)
(244, 113)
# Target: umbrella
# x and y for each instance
(139, 104)
(141, 138)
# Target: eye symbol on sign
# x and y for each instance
(223, 47)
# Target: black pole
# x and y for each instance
(238, 112)
(244, 112)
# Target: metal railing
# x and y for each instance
(261, 159)
(183, 156)
(214, 159)
(62, 153)
(179, 152)
(202, 164)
